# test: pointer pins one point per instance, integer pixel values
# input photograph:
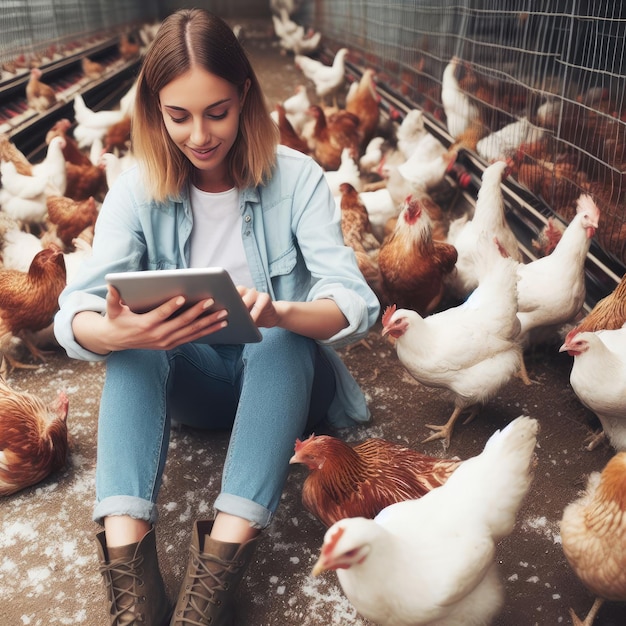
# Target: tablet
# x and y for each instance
(145, 290)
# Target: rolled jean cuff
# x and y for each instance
(257, 515)
(132, 506)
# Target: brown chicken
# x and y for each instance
(84, 179)
(360, 480)
(10, 152)
(91, 69)
(358, 234)
(331, 135)
(288, 135)
(128, 47)
(39, 96)
(593, 534)
(71, 151)
(412, 264)
(548, 237)
(28, 300)
(609, 313)
(71, 217)
(117, 136)
(33, 438)
(364, 102)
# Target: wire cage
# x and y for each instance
(548, 72)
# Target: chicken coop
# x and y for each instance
(546, 77)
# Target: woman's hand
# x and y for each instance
(121, 329)
(261, 307)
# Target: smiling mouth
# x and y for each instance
(203, 151)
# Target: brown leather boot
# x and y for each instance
(135, 589)
(207, 595)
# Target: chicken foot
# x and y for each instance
(595, 439)
(445, 432)
(576, 621)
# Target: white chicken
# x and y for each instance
(427, 166)
(114, 165)
(53, 168)
(489, 217)
(91, 125)
(470, 350)
(372, 155)
(459, 109)
(432, 561)
(296, 108)
(505, 142)
(348, 172)
(551, 289)
(410, 132)
(380, 208)
(598, 378)
(328, 79)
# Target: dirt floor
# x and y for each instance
(48, 566)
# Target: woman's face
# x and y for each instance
(201, 115)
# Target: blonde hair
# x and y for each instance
(187, 37)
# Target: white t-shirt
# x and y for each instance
(216, 235)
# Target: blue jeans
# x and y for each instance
(269, 393)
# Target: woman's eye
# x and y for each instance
(219, 116)
(178, 120)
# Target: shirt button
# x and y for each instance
(248, 218)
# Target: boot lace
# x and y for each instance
(204, 584)
(124, 578)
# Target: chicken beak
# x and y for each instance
(293, 459)
(318, 568)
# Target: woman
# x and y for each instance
(211, 188)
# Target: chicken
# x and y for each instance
(548, 237)
(551, 289)
(360, 480)
(427, 166)
(357, 233)
(331, 135)
(380, 208)
(128, 47)
(92, 124)
(432, 560)
(288, 135)
(91, 69)
(23, 197)
(83, 178)
(470, 350)
(328, 79)
(71, 217)
(598, 378)
(71, 152)
(307, 43)
(459, 108)
(505, 142)
(18, 246)
(609, 313)
(117, 136)
(488, 217)
(39, 95)
(33, 438)
(410, 132)
(10, 152)
(412, 264)
(297, 107)
(114, 165)
(53, 168)
(372, 155)
(29, 300)
(364, 102)
(347, 172)
(593, 535)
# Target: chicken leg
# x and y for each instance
(445, 432)
(576, 621)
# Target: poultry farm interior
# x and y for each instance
(408, 46)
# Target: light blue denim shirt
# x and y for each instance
(293, 244)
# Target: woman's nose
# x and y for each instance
(200, 132)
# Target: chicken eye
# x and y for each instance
(351, 553)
